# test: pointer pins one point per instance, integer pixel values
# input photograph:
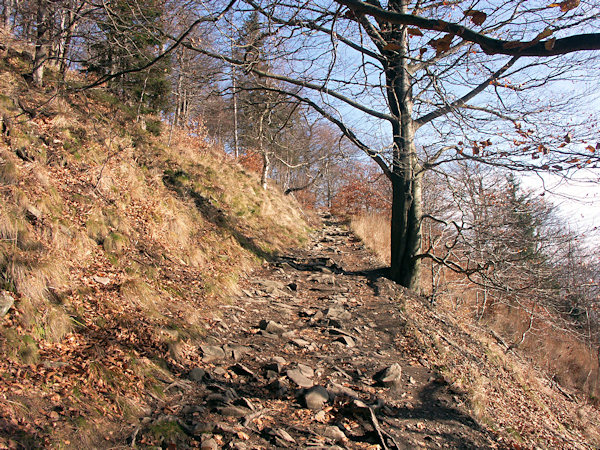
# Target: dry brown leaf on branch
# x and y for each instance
(544, 34)
(442, 45)
(392, 47)
(565, 6)
(477, 17)
(549, 44)
(414, 32)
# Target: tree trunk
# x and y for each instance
(406, 230)
(41, 44)
(265, 170)
(67, 28)
(406, 176)
(7, 14)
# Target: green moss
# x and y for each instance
(113, 259)
(167, 431)
(7, 104)
(172, 290)
(515, 434)
(20, 348)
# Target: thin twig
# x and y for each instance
(377, 427)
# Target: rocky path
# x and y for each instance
(315, 355)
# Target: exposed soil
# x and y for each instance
(322, 316)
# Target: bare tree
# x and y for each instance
(398, 69)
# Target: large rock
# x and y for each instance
(236, 352)
(315, 397)
(390, 376)
(212, 353)
(299, 378)
(306, 370)
(197, 374)
(337, 313)
(6, 302)
(271, 327)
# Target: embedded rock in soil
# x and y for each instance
(337, 390)
(6, 302)
(390, 376)
(204, 427)
(209, 444)
(299, 378)
(337, 313)
(212, 353)
(234, 411)
(334, 433)
(316, 397)
(271, 327)
(235, 351)
(197, 374)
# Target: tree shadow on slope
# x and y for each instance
(456, 427)
(213, 214)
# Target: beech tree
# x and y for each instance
(416, 84)
(449, 75)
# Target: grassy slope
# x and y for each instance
(114, 247)
(506, 390)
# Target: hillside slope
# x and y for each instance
(320, 350)
(153, 295)
(113, 247)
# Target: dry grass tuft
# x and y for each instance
(57, 324)
(139, 293)
(96, 226)
(374, 231)
(171, 223)
(115, 243)
(8, 172)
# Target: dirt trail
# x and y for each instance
(314, 355)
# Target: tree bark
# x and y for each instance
(41, 44)
(7, 14)
(265, 169)
(405, 177)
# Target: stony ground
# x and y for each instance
(313, 355)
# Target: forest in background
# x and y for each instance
(216, 73)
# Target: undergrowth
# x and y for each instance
(115, 247)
